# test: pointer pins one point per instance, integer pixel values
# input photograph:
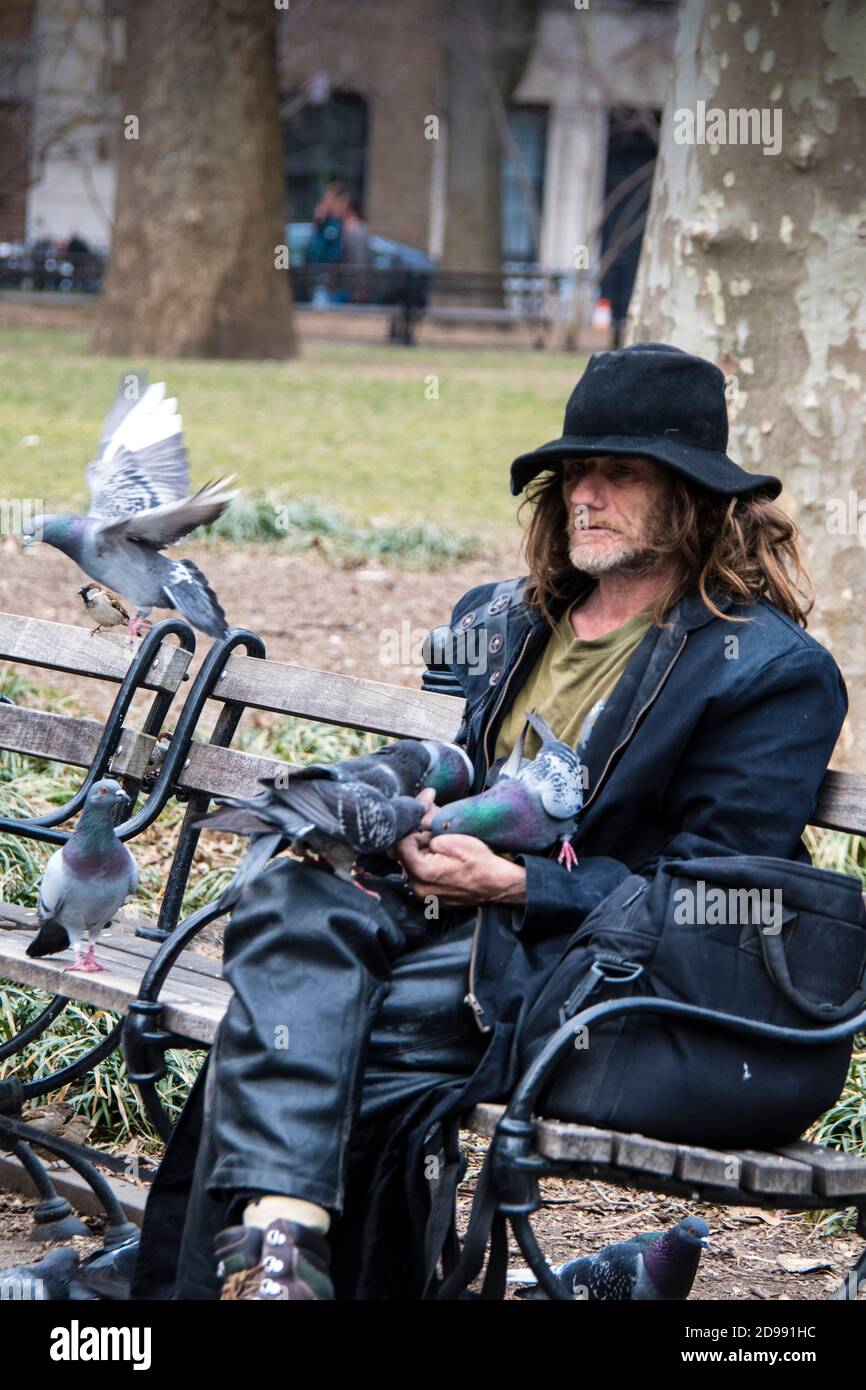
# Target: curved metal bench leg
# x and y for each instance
(18, 1132)
(143, 1039)
(53, 1217)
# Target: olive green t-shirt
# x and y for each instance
(571, 679)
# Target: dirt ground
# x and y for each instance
(308, 610)
(741, 1263)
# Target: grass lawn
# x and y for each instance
(349, 425)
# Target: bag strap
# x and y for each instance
(776, 963)
(485, 1222)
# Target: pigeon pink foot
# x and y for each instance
(567, 855)
(86, 964)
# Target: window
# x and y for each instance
(523, 182)
(322, 142)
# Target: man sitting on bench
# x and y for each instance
(661, 625)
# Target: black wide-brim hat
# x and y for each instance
(656, 401)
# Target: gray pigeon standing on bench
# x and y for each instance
(140, 503)
(655, 1266)
(86, 881)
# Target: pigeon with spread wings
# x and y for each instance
(141, 503)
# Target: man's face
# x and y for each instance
(615, 509)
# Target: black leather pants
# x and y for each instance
(344, 1009)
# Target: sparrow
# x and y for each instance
(104, 606)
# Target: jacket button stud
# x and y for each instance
(496, 605)
(467, 620)
(495, 643)
(494, 678)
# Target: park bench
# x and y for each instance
(171, 996)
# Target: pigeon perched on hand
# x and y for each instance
(46, 1282)
(104, 606)
(658, 1265)
(528, 808)
(402, 768)
(340, 810)
(86, 881)
(337, 820)
(141, 503)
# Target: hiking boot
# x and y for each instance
(284, 1261)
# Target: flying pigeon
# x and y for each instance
(141, 503)
(340, 810)
(104, 606)
(46, 1282)
(658, 1265)
(85, 881)
(529, 807)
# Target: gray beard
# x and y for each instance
(638, 562)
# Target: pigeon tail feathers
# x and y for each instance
(50, 938)
(190, 593)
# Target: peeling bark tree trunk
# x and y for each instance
(759, 262)
(200, 200)
(487, 44)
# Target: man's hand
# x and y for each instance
(459, 870)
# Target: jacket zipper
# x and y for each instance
(641, 712)
(471, 998)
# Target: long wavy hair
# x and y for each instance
(745, 547)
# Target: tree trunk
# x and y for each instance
(757, 261)
(200, 199)
(487, 45)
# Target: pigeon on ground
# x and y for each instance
(528, 808)
(104, 606)
(658, 1265)
(86, 881)
(340, 810)
(107, 1273)
(141, 503)
(46, 1282)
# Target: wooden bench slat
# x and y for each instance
(185, 979)
(36, 642)
(645, 1155)
(565, 1140)
(132, 954)
(225, 771)
(349, 701)
(834, 1173)
(192, 1008)
(772, 1173)
(842, 803)
(64, 738)
(699, 1165)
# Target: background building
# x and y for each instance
(359, 81)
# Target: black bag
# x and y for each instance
(758, 937)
